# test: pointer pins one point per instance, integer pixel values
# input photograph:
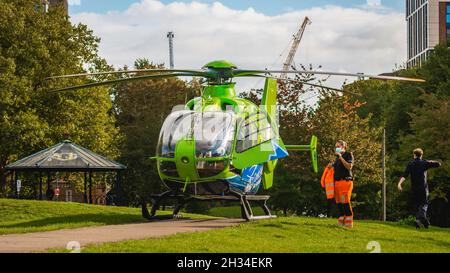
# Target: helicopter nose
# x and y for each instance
(185, 159)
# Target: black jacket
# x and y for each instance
(417, 168)
(340, 171)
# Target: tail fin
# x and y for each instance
(312, 147)
(269, 99)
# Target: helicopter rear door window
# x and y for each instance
(253, 131)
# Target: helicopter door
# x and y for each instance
(256, 142)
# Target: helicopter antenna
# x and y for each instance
(171, 35)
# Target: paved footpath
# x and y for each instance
(58, 239)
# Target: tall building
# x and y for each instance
(428, 23)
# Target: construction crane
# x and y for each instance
(171, 35)
(296, 42)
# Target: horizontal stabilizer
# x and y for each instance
(312, 147)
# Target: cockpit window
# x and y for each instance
(213, 134)
(176, 127)
(212, 131)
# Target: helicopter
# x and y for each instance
(220, 147)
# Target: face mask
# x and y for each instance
(338, 150)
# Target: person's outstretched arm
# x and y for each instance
(433, 164)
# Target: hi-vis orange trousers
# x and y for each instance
(342, 194)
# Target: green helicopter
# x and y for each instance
(220, 146)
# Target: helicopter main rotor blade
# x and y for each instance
(126, 72)
(246, 73)
(331, 88)
(310, 84)
(146, 77)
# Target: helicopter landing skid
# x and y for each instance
(183, 199)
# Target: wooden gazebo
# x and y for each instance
(67, 156)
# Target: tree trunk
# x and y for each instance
(3, 176)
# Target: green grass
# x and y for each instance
(296, 234)
(21, 216)
(232, 211)
(293, 234)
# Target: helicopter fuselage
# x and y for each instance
(219, 142)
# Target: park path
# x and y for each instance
(58, 239)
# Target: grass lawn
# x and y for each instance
(21, 216)
(232, 211)
(293, 234)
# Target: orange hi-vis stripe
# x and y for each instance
(348, 221)
(341, 220)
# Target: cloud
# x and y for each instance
(74, 2)
(339, 39)
(374, 3)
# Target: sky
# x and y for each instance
(346, 36)
(269, 7)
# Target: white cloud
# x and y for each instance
(374, 3)
(74, 2)
(339, 39)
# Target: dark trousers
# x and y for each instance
(420, 200)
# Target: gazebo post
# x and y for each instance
(13, 185)
(48, 183)
(85, 188)
(118, 188)
(16, 190)
(90, 187)
(40, 185)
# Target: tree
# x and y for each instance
(414, 115)
(33, 46)
(430, 130)
(334, 117)
(141, 108)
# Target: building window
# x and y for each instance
(448, 20)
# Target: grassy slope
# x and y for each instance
(293, 235)
(278, 235)
(232, 211)
(20, 216)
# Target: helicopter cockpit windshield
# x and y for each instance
(212, 131)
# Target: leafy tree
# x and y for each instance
(141, 108)
(296, 188)
(336, 118)
(414, 115)
(33, 46)
(430, 130)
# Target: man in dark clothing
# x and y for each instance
(343, 183)
(419, 186)
(49, 193)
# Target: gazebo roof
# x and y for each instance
(66, 156)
